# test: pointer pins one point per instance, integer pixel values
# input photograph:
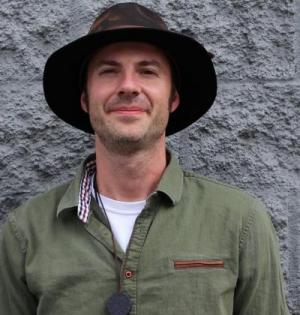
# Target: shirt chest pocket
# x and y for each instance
(190, 284)
(213, 277)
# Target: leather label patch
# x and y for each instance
(202, 263)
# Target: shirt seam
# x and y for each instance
(18, 234)
(246, 229)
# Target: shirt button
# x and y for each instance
(128, 274)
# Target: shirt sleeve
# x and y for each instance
(259, 288)
(15, 297)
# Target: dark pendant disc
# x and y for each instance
(119, 304)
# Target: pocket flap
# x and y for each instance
(199, 263)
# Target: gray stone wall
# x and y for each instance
(250, 138)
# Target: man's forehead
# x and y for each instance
(143, 50)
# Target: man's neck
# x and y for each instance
(130, 178)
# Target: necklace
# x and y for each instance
(119, 303)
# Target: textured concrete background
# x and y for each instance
(248, 139)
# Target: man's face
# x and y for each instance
(128, 95)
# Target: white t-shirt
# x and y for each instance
(122, 216)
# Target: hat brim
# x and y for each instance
(198, 85)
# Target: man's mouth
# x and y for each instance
(127, 110)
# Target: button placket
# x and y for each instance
(136, 243)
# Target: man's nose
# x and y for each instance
(129, 85)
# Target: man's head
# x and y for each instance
(130, 22)
(128, 95)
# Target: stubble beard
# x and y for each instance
(128, 144)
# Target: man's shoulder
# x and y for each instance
(39, 208)
(220, 195)
(213, 185)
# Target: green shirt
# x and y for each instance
(198, 247)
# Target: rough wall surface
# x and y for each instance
(250, 138)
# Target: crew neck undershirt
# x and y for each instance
(122, 216)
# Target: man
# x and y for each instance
(133, 233)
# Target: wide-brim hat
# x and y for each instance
(196, 78)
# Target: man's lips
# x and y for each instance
(127, 110)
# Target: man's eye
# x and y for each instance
(107, 71)
(148, 72)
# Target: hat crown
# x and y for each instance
(127, 15)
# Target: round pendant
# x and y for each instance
(119, 304)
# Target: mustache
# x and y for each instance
(127, 101)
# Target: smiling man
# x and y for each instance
(133, 233)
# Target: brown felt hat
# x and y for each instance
(131, 22)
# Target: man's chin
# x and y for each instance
(128, 144)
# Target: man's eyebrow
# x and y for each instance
(142, 63)
(151, 62)
(107, 63)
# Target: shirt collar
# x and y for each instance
(79, 192)
(171, 183)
